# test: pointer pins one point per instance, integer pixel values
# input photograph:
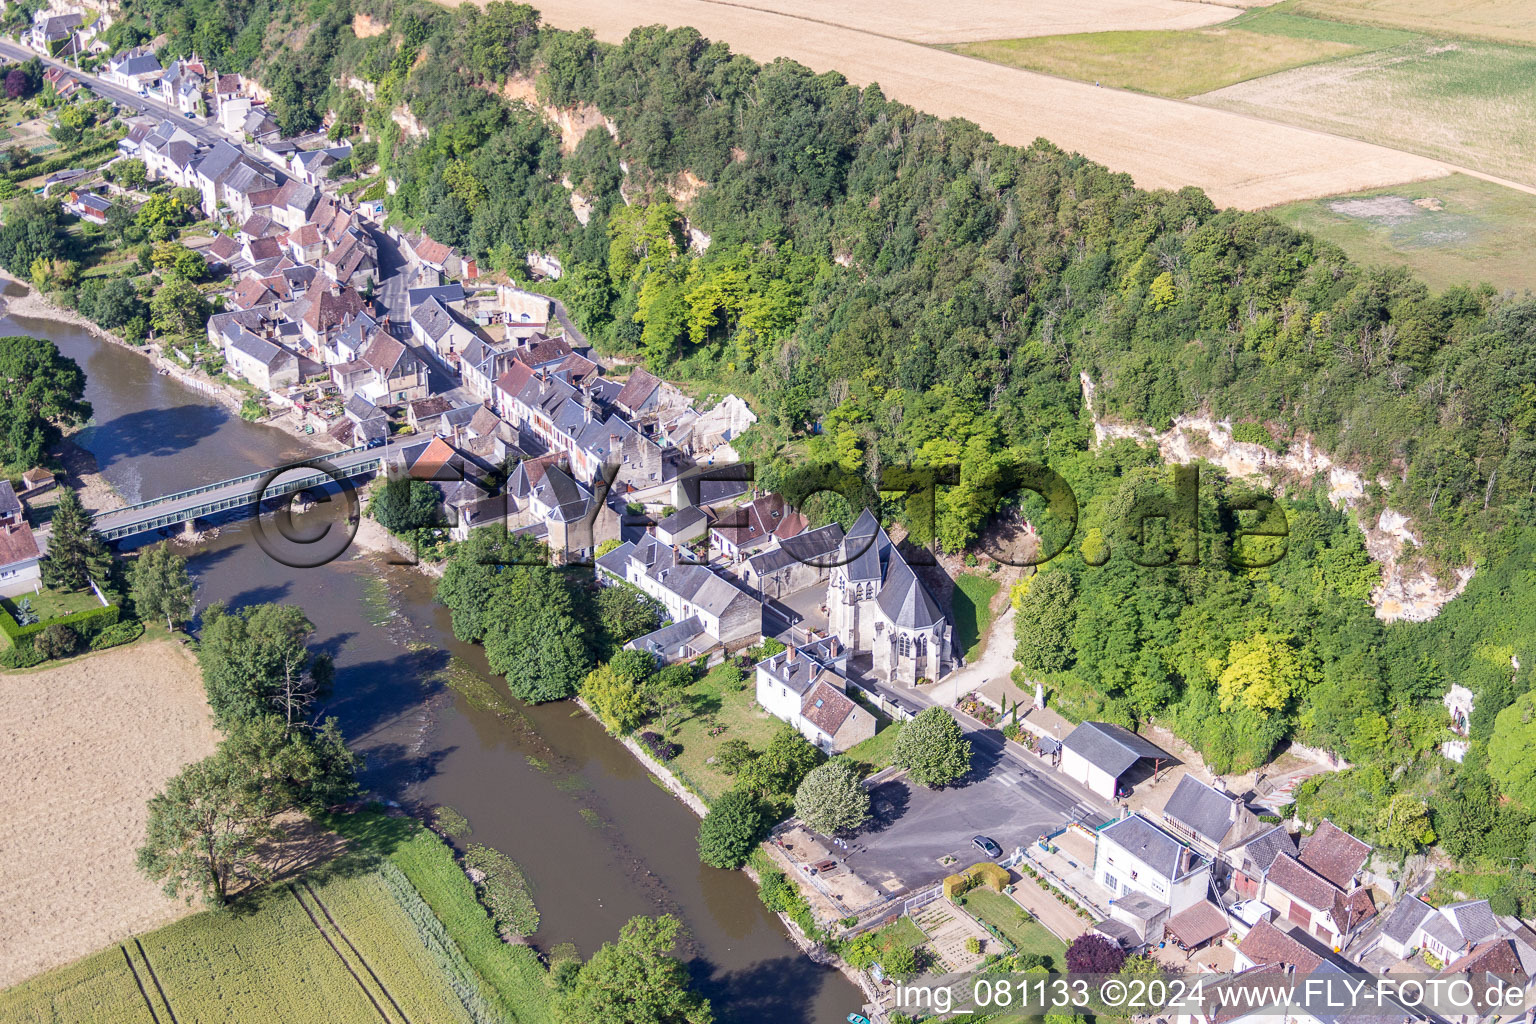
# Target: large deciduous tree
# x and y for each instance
(161, 585)
(1512, 750)
(932, 749)
(257, 661)
(635, 980)
(832, 798)
(42, 393)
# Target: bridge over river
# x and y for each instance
(238, 493)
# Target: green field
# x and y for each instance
(1512, 21)
(1184, 63)
(1465, 102)
(971, 606)
(390, 933)
(1011, 920)
(1481, 232)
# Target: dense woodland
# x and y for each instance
(890, 288)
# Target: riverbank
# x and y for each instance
(31, 304)
(92, 740)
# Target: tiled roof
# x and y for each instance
(1298, 880)
(1266, 944)
(16, 544)
(1334, 854)
(10, 505)
(1406, 918)
(1198, 923)
(825, 706)
(1496, 956)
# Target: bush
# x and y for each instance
(972, 945)
(115, 635)
(660, 748)
(20, 657)
(733, 826)
(87, 624)
(55, 641)
(1094, 954)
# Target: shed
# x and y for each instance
(1194, 926)
(1097, 754)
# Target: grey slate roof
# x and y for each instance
(812, 546)
(1150, 845)
(1202, 809)
(445, 293)
(688, 633)
(682, 519)
(259, 349)
(10, 505)
(863, 548)
(1474, 919)
(904, 599)
(1141, 906)
(142, 64)
(1406, 918)
(434, 318)
(1263, 848)
(1110, 747)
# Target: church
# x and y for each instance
(877, 606)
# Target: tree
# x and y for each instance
(1090, 953)
(177, 307)
(404, 504)
(479, 570)
(734, 755)
(41, 393)
(257, 661)
(1512, 750)
(734, 825)
(305, 768)
(130, 173)
(832, 798)
(161, 585)
(635, 980)
(1403, 824)
(779, 769)
(16, 84)
(626, 613)
(1043, 626)
(932, 749)
(76, 553)
(614, 692)
(533, 636)
(56, 641)
(205, 830)
(1263, 673)
(666, 694)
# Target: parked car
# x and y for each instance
(987, 846)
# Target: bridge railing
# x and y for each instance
(232, 481)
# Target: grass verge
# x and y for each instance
(972, 608)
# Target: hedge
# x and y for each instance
(985, 873)
(87, 624)
(125, 632)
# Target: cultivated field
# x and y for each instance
(1240, 161)
(83, 746)
(965, 20)
(1512, 21)
(1184, 63)
(342, 951)
(1467, 103)
(1453, 230)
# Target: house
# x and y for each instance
(523, 312)
(313, 166)
(676, 642)
(354, 261)
(542, 493)
(805, 687)
(264, 364)
(37, 480)
(794, 563)
(63, 83)
(686, 524)
(10, 505)
(444, 259)
(481, 363)
(1448, 933)
(1209, 819)
(181, 87)
(1097, 754)
(233, 112)
(135, 69)
(223, 327)
(753, 526)
(385, 372)
(1268, 945)
(222, 251)
(641, 393)
(471, 505)
(290, 207)
(1304, 897)
(877, 604)
(425, 414)
(55, 34)
(1250, 860)
(684, 588)
(434, 325)
(1133, 855)
(325, 311)
(88, 206)
(20, 572)
(362, 423)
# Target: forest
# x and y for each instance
(892, 289)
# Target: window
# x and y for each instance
(904, 646)
(922, 646)
(1111, 882)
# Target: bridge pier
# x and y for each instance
(189, 529)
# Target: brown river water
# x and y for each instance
(600, 840)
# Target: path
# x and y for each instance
(994, 662)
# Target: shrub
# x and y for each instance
(660, 748)
(1094, 954)
(986, 873)
(973, 945)
(120, 633)
(20, 657)
(733, 826)
(55, 641)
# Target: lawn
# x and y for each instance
(1465, 102)
(878, 750)
(1011, 920)
(712, 706)
(972, 608)
(390, 930)
(52, 604)
(1188, 62)
(1462, 230)
(903, 931)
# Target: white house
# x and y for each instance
(1097, 754)
(1135, 856)
(684, 589)
(805, 687)
(135, 69)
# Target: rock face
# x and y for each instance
(1408, 590)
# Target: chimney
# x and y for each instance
(790, 654)
(833, 646)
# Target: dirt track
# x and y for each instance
(1239, 160)
(82, 747)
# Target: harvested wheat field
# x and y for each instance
(965, 20)
(1510, 21)
(82, 747)
(1240, 161)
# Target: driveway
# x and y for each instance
(914, 827)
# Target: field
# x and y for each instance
(1454, 230)
(1507, 20)
(87, 744)
(1185, 63)
(971, 608)
(392, 939)
(1464, 102)
(1240, 161)
(1025, 933)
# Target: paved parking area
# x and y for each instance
(914, 827)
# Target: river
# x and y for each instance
(600, 840)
